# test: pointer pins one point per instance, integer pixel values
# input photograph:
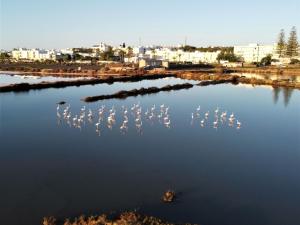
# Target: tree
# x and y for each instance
(129, 52)
(295, 61)
(4, 55)
(121, 54)
(64, 58)
(266, 61)
(292, 45)
(179, 57)
(188, 48)
(228, 56)
(107, 55)
(77, 57)
(281, 45)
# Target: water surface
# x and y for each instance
(224, 176)
(6, 79)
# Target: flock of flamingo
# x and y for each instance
(220, 117)
(107, 117)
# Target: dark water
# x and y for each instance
(224, 176)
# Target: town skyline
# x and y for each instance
(80, 25)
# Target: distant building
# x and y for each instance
(153, 63)
(33, 54)
(168, 54)
(139, 50)
(254, 52)
(226, 63)
(67, 51)
(102, 47)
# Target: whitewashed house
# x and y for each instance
(254, 52)
(33, 54)
(102, 47)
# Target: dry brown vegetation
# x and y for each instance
(125, 218)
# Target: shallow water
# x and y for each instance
(6, 79)
(224, 176)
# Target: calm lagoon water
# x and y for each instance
(224, 176)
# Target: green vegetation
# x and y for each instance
(108, 55)
(129, 52)
(83, 50)
(77, 56)
(292, 45)
(65, 58)
(266, 61)
(228, 55)
(295, 61)
(281, 45)
(4, 56)
(189, 48)
(121, 53)
(214, 49)
(291, 48)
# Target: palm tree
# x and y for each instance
(179, 56)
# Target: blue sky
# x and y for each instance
(70, 23)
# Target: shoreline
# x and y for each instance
(201, 75)
(268, 71)
(19, 87)
(218, 70)
(64, 74)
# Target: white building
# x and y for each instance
(254, 52)
(34, 54)
(102, 47)
(67, 51)
(139, 50)
(168, 54)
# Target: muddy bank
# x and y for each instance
(125, 218)
(75, 69)
(136, 92)
(274, 83)
(79, 82)
(268, 70)
(211, 79)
